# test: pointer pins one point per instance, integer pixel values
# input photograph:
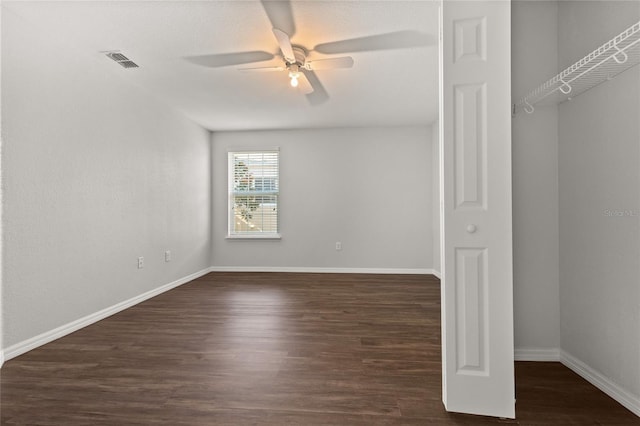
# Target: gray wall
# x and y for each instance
(535, 184)
(95, 174)
(369, 188)
(599, 179)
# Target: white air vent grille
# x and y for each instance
(128, 64)
(121, 59)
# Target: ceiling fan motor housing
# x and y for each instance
(300, 55)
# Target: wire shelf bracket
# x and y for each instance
(603, 64)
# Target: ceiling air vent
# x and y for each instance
(121, 59)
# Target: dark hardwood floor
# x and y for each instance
(274, 349)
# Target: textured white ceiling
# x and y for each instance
(384, 88)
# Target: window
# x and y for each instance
(253, 194)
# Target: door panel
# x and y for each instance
(477, 282)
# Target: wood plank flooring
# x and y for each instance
(274, 349)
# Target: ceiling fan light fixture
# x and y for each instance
(294, 73)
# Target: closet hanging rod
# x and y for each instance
(615, 56)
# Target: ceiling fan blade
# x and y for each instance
(226, 59)
(262, 69)
(319, 94)
(394, 40)
(331, 63)
(303, 84)
(280, 15)
(285, 45)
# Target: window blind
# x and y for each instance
(253, 192)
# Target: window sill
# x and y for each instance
(241, 237)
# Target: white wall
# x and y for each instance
(1, 201)
(535, 185)
(368, 188)
(435, 196)
(599, 162)
(95, 174)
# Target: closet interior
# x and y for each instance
(576, 198)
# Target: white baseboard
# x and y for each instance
(1, 357)
(436, 274)
(320, 270)
(48, 336)
(537, 354)
(606, 385)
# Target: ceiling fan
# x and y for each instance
(300, 71)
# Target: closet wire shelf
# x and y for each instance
(615, 56)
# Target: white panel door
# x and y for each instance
(475, 125)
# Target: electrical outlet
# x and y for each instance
(140, 262)
(338, 245)
(167, 256)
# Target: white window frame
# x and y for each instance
(248, 235)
